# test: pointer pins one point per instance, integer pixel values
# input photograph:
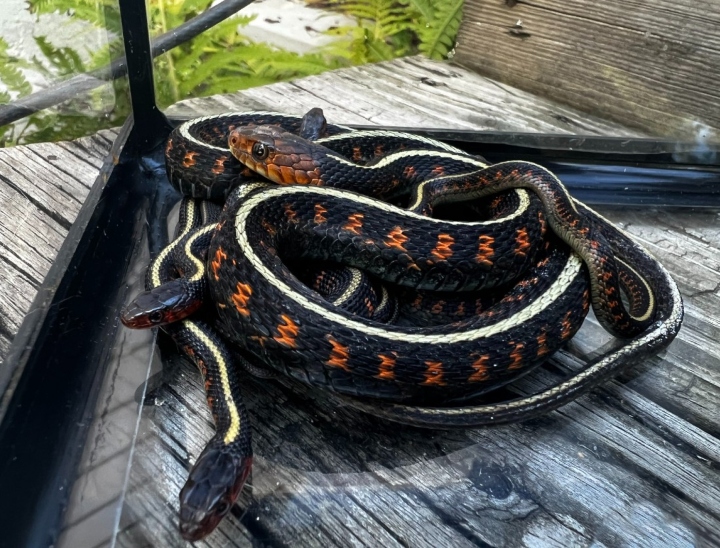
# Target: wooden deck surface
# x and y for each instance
(650, 65)
(633, 463)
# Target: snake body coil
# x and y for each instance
(324, 209)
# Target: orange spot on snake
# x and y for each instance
(219, 166)
(357, 154)
(287, 174)
(522, 241)
(409, 171)
(396, 239)
(516, 355)
(481, 369)
(241, 297)
(543, 225)
(438, 170)
(387, 366)
(542, 344)
(486, 250)
(543, 262)
(566, 326)
(302, 178)
(339, 355)
(189, 159)
(438, 307)
(320, 212)
(460, 310)
(290, 213)
(443, 250)
(220, 255)
(433, 374)
(288, 331)
(270, 229)
(259, 339)
(354, 223)
(169, 146)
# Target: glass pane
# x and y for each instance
(52, 58)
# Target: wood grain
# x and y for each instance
(411, 92)
(651, 65)
(41, 190)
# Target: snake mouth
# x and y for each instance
(281, 157)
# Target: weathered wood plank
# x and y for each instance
(411, 92)
(42, 188)
(651, 65)
(323, 465)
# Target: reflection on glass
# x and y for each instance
(43, 43)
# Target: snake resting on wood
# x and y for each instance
(400, 273)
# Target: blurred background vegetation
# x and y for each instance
(220, 60)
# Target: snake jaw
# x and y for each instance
(167, 303)
(212, 487)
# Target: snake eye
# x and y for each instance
(155, 317)
(260, 151)
(223, 508)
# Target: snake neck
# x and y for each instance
(391, 175)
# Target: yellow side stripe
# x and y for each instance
(234, 429)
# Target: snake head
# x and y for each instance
(282, 157)
(167, 303)
(211, 489)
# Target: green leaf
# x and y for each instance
(103, 14)
(438, 38)
(66, 60)
(10, 75)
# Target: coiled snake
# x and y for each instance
(366, 200)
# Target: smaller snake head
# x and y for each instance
(282, 157)
(210, 491)
(167, 303)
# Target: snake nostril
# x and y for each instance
(233, 140)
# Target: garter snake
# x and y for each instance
(411, 374)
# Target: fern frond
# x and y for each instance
(101, 13)
(10, 74)
(438, 37)
(65, 60)
(425, 7)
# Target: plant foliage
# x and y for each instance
(220, 60)
(442, 17)
(392, 28)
